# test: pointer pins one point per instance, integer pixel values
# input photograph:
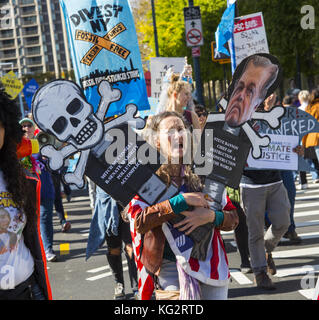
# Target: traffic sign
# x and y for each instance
(193, 27)
(192, 13)
(219, 56)
(194, 37)
(195, 51)
(12, 84)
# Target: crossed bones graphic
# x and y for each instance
(93, 132)
(102, 42)
(98, 130)
(272, 118)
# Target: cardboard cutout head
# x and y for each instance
(254, 80)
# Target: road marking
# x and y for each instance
(239, 277)
(304, 236)
(64, 248)
(306, 213)
(307, 223)
(313, 251)
(85, 234)
(98, 269)
(314, 198)
(103, 275)
(296, 271)
(103, 268)
(100, 276)
(307, 191)
(298, 225)
(227, 232)
(305, 205)
(308, 293)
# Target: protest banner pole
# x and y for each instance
(21, 105)
(155, 29)
(231, 41)
(198, 80)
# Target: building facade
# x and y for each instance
(33, 38)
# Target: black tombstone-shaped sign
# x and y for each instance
(254, 80)
(60, 109)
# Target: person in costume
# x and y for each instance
(162, 259)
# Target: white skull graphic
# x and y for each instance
(61, 109)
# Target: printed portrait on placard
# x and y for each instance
(254, 80)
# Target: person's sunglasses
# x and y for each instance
(27, 125)
(199, 114)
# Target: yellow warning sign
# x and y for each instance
(12, 84)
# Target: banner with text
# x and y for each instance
(297, 123)
(159, 67)
(249, 36)
(104, 46)
(278, 154)
(29, 90)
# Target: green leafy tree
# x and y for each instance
(171, 31)
(296, 48)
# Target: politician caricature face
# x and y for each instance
(250, 90)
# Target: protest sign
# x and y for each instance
(159, 67)
(233, 134)
(153, 104)
(29, 90)
(110, 153)
(12, 85)
(295, 122)
(227, 153)
(104, 46)
(249, 36)
(278, 154)
(120, 171)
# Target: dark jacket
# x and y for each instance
(47, 186)
(260, 176)
(32, 239)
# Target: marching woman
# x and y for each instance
(169, 253)
(23, 272)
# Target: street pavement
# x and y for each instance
(73, 277)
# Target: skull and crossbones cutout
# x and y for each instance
(254, 80)
(60, 109)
